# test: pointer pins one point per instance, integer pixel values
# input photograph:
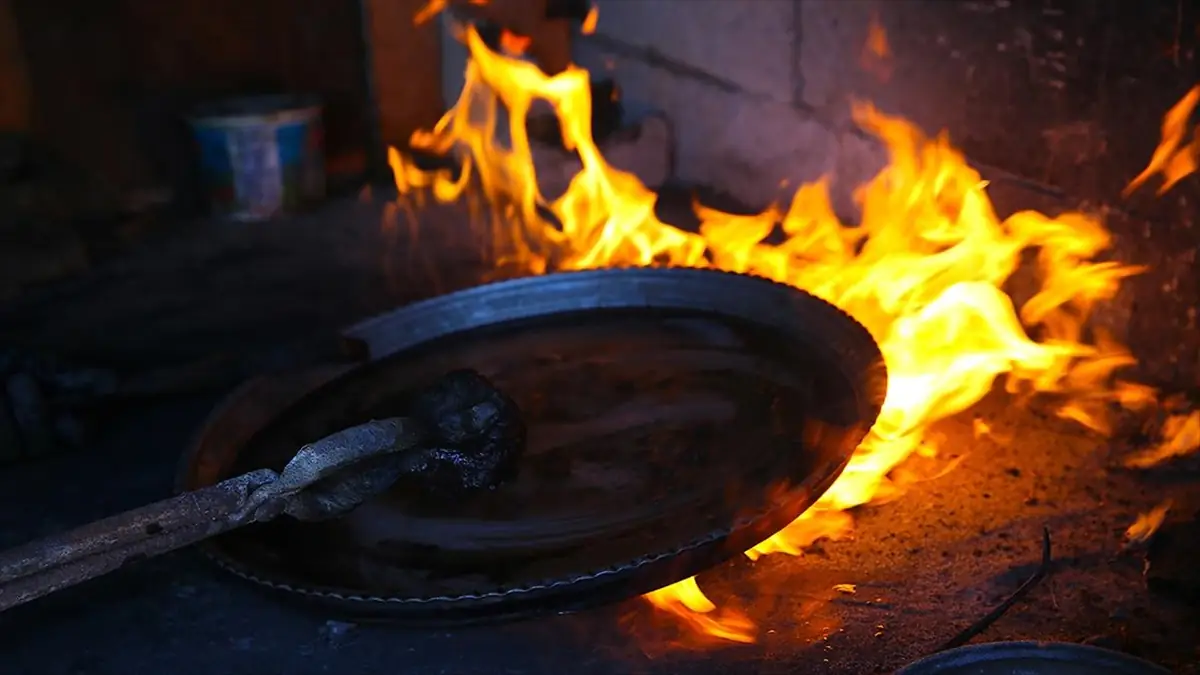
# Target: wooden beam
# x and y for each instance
(550, 39)
(406, 68)
(14, 79)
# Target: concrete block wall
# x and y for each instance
(729, 75)
(1068, 94)
(1063, 93)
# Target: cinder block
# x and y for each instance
(833, 33)
(755, 149)
(644, 149)
(749, 44)
(753, 145)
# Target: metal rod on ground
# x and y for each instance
(376, 151)
(985, 622)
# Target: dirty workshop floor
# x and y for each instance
(924, 566)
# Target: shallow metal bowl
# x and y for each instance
(782, 387)
(1030, 658)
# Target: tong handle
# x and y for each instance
(56, 562)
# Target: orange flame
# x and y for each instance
(876, 56)
(924, 271)
(1173, 160)
(514, 44)
(685, 600)
(590, 21)
(1180, 437)
(432, 8)
(1147, 524)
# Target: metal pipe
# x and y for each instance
(376, 152)
(42, 567)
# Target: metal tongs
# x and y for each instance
(467, 426)
(324, 480)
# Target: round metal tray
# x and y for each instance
(1030, 658)
(676, 418)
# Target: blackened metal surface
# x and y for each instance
(680, 418)
(477, 431)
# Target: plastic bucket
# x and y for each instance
(261, 156)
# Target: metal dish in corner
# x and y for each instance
(1030, 658)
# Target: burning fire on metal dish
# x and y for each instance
(924, 270)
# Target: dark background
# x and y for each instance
(100, 85)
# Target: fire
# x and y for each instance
(589, 21)
(876, 56)
(924, 271)
(1147, 524)
(1180, 436)
(1172, 159)
(685, 600)
(434, 7)
(514, 44)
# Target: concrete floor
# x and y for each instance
(926, 565)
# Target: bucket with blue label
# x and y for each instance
(262, 156)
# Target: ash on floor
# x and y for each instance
(923, 567)
(926, 565)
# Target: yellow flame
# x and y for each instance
(685, 599)
(1180, 436)
(1173, 160)
(924, 271)
(1147, 524)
